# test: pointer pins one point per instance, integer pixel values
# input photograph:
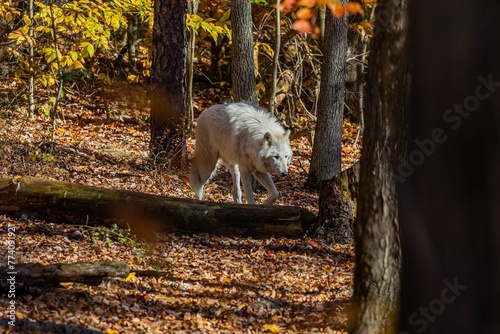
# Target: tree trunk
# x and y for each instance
(146, 214)
(276, 58)
(334, 224)
(191, 32)
(31, 62)
(377, 240)
(168, 81)
(450, 184)
(327, 148)
(132, 40)
(335, 219)
(243, 66)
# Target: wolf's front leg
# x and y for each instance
(266, 180)
(235, 174)
(246, 179)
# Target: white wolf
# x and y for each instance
(249, 140)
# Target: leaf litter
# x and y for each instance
(215, 284)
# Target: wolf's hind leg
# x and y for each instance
(246, 179)
(266, 180)
(203, 167)
(235, 174)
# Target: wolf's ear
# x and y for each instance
(287, 134)
(268, 138)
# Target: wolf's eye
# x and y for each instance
(277, 157)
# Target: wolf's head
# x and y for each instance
(276, 152)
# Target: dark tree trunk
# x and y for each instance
(450, 190)
(243, 67)
(168, 81)
(377, 240)
(335, 216)
(337, 197)
(327, 148)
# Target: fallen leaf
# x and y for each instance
(272, 328)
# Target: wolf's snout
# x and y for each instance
(284, 173)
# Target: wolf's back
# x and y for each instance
(240, 119)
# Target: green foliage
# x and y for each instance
(263, 2)
(84, 30)
(42, 157)
(210, 26)
(115, 234)
(8, 12)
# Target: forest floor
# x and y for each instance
(216, 284)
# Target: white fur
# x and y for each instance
(249, 140)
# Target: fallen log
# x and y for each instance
(29, 275)
(146, 214)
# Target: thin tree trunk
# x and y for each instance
(327, 148)
(53, 113)
(31, 87)
(168, 81)
(243, 66)
(192, 9)
(378, 251)
(132, 39)
(277, 47)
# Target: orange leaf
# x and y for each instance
(322, 3)
(302, 26)
(354, 8)
(288, 6)
(307, 3)
(305, 13)
(338, 10)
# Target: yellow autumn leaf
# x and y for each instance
(19, 315)
(111, 331)
(65, 284)
(133, 78)
(131, 277)
(272, 328)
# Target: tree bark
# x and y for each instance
(450, 184)
(243, 66)
(337, 200)
(378, 252)
(38, 275)
(168, 81)
(132, 40)
(192, 7)
(335, 219)
(334, 224)
(327, 148)
(277, 48)
(146, 214)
